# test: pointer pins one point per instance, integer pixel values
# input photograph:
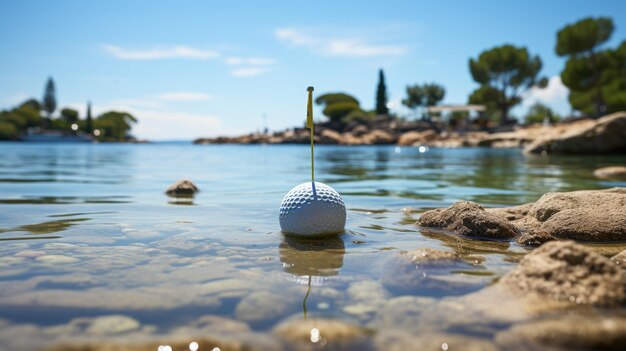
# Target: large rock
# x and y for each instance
(588, 215)
(468, 219)
(415, 137)
(606, 134)
(613, 172)
(566, 271)
(330, 137)
(378, 137)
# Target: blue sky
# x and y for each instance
(201, 68)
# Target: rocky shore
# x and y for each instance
(588, 215)
(604, 135)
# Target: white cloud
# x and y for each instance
(159, 53)
(249, 71)
(185, 96)
(295, 37)
(555, 92)
(250, 61)
(332, 46)
(156, 123)
(14, 99)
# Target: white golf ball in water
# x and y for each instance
(312, 209)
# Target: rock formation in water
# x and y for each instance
(588, 215)
(468, 219)
(604, 135)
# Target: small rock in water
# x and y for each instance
(614, 172)
(182, 187)
(468, 219)
(567, 271)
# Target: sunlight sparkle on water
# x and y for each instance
(315, 335)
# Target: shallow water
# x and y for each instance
(86, 232)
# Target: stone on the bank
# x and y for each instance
(613, 172)
(331, 137)
(378, 137)
(604, 135)
(566, 271)
(415, 137)
(182, 187)
(468, 219)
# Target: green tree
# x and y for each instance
(433, 93)
(415, 97)
(504, 74)
(615, 90)
(8, 130)
(69, 115)
(339, 110)
(89, 119)
(30, 116)
(538, 113)
(115, 125)
(381, 95)
(591, 74)
(49, 98)
(426, 95)
(32, 103)
(338, 105)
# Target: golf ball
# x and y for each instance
(312, 209)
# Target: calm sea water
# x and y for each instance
(86, 231)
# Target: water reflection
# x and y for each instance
(321, 257)
(181, 200)
(310, 260)
(46, 227)
(66, 200)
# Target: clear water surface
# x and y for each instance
(86, 231)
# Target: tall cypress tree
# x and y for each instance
(89, 120)
(49, 103)
(381, 95)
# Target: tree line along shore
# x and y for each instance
(594, 73)
(38, 117)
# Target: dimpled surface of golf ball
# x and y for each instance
(309, 210)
